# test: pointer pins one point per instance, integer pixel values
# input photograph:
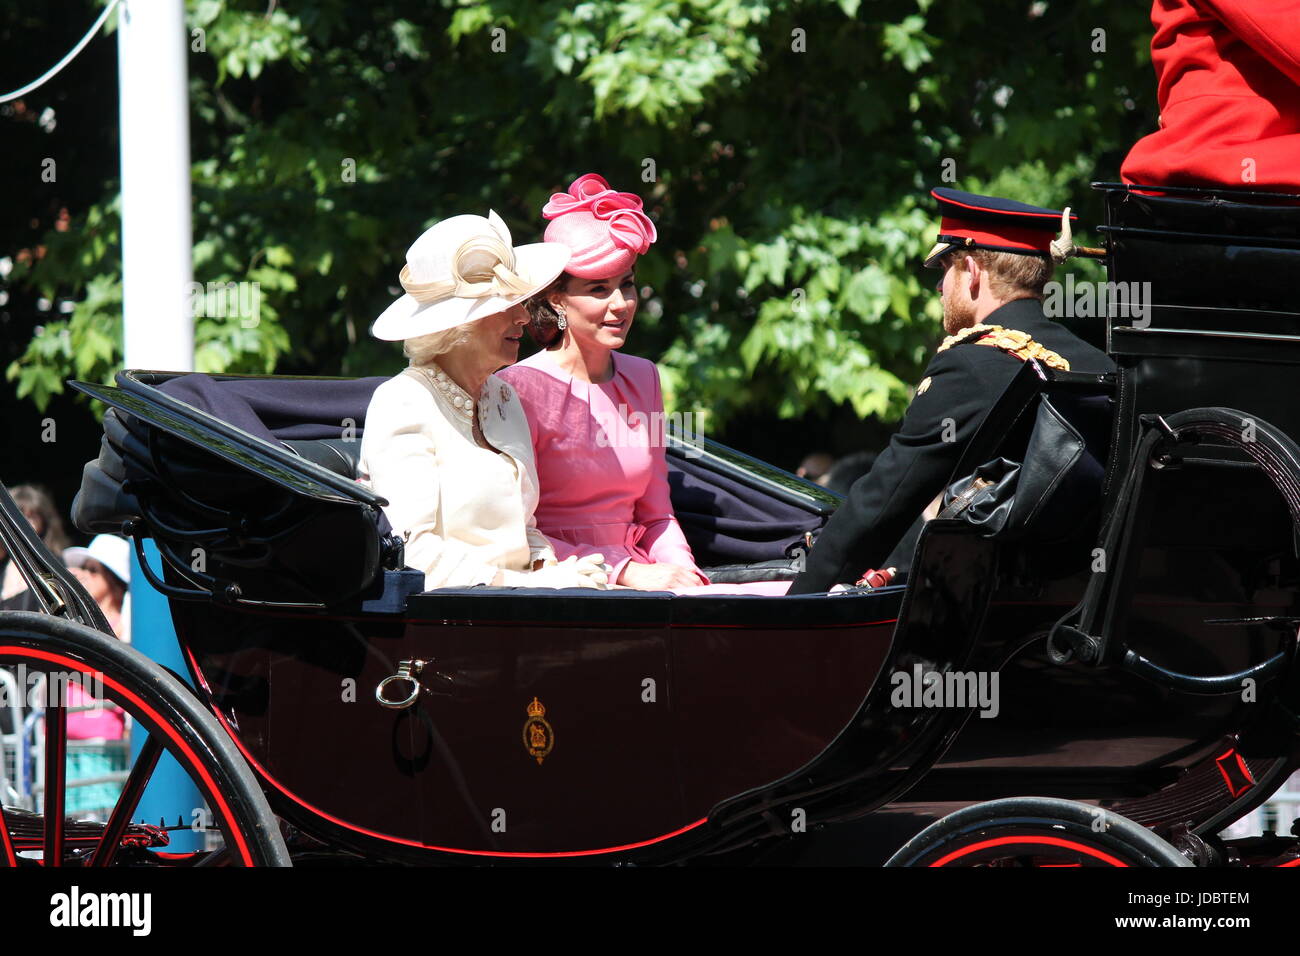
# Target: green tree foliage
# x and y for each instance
(785, 148)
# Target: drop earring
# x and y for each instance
(561, 320)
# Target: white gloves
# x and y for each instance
(573, 572)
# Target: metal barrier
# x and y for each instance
(13, 785)
(1274, 815)
(96, 768)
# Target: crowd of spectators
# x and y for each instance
(104, 569)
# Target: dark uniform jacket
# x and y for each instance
(963, 383)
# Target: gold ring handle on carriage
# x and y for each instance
(406, 671)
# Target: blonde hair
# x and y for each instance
(423, 349)
(1010, 273)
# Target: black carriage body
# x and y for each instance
(1141, 629)
(678, 726)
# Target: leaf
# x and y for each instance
(279, 256)
(868, 293)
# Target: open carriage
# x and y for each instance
(1120, 645)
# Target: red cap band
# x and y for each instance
(986, 233)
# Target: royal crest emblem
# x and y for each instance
(539, 738)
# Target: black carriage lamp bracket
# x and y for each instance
(232, 525)
(1161, 455)
(392, 552)
(1278, 622)
(227, 593)
(236, 526)
(1220, 684)
(1068, 642)
(1278, 457)
(213, 589)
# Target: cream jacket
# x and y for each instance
(465, 510)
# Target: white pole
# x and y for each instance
(158, 330)
(156, 232)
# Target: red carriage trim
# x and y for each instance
(1044, 840)
(213, 794)
(266, 775)
(11, 857)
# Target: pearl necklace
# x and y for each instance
(457, 397)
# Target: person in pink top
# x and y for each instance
(596, 417)
(97, 729)
(104, 570)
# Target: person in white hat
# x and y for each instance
(446, 441)
(104, 570)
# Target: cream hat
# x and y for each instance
(463, 269)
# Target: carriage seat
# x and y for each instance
(339, 455)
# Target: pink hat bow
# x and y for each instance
(605, 229)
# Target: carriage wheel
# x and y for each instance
(175, 722)
(1036, 831)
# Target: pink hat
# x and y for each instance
(606, 230)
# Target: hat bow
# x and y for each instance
(481, 266)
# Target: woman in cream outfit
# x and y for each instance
(446, 441)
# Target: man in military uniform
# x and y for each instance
(996, 256)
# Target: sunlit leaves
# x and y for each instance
(246, 41)
(908, 43)
(791, 189)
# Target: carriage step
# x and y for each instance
(27, 830)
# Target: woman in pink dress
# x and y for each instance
(596, 418)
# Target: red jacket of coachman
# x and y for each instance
(1228, 84)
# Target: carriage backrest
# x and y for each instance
(194, 463)
(1218, 327)
(727, 520)
(1219, 322)
(730, 516)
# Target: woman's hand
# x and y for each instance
(658, 577)
(591, 568)
(573, 572)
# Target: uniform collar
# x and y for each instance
(1017, 314)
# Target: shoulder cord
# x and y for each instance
(1012, 341)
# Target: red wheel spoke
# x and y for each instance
(56, 772)
(10, 858)
(120, 819)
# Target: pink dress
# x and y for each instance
(599, 449)
(600, 462)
